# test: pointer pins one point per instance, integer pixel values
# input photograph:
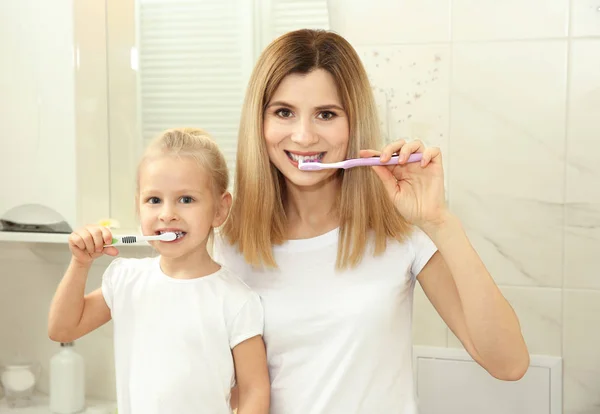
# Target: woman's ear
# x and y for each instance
(223, 207)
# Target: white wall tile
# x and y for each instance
(581, 356)
(453, 341)
(509, 19)
(582, 242)
(540, 314)
(391, 21)
(507, 144)
(411, 85)
(585, 18)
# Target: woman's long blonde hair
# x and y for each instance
(257, 220)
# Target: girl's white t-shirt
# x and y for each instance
(337, 342)
(173, 338)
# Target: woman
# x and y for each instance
(334, 254)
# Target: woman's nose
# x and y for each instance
(304, 133)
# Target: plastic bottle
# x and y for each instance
(67, 381)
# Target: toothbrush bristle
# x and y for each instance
(309, 166)
(169, 236)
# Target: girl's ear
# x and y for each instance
(223, 207)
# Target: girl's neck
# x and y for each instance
(191, 266)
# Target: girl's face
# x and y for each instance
(176, 195)
(305, 119)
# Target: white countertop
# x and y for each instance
(41, 407)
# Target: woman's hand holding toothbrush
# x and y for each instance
(416, 189)
(87, 244)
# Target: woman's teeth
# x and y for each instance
(305, 158)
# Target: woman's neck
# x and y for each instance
(312, 211)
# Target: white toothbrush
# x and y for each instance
(120, 240)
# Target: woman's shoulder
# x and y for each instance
(225, 253)
(415, 245)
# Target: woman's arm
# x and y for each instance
(461, 289)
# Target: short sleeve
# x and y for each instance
(248, 322)
(423, 249)
(107, 281)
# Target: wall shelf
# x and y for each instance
(11, 236)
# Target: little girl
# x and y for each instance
(186, 330)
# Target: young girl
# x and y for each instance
(185, 328)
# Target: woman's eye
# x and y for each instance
(283, 113)
(327, 115)
(186, 199)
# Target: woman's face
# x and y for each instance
(305, 120)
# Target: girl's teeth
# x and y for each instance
(179, 234)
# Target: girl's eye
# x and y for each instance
(283, 113)
(327, 115)
(153, 200)
(186, 199)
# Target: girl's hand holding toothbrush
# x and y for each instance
(87, 244)
(416, 189)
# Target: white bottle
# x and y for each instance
(67, 386)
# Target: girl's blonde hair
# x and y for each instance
(257, 220)
(194, 143)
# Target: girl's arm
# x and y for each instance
(72, 314)
(252, 377)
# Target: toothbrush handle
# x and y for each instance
(121, 240)
(376, 161)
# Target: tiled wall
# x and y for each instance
(511, 93)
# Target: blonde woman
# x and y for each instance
(335, 254)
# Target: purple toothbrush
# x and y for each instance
(355, 162)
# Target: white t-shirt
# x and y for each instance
(173, 338)
(337, 342)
